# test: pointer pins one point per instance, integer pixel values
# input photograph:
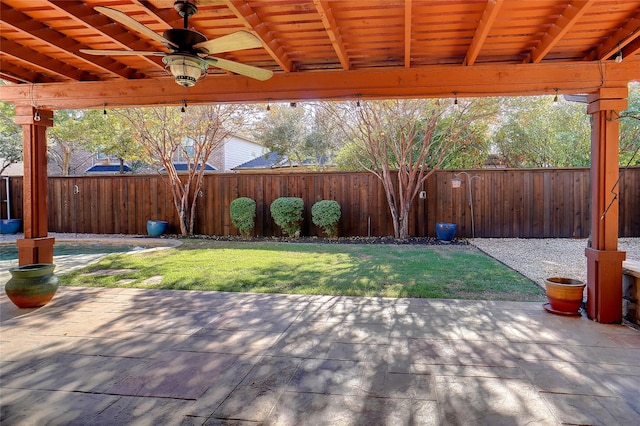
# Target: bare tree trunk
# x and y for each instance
(164, 133)
(66, 162)
(399, 135)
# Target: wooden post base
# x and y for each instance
(604, 285)
(35, 250)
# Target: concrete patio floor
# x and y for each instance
(148, 357)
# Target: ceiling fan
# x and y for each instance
(189, 58)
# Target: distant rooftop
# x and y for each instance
(274, 160)
(267, 161)
(184, 167)
(107, 168)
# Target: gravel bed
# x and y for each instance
(538, 259)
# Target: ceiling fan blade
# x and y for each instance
(236, 41)
(242, 69)
(120, 52)
(125, 20)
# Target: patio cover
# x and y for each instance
(320, 49)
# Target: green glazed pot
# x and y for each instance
(31, 286)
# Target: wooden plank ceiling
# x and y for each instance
(316, 41)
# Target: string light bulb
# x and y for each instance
(268, 105)
(184, 107)
(36, 116)
(555, 98)
(455, 98)
(104, 109)
(619, 58)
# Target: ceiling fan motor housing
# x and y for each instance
(185, 39)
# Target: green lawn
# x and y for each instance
(460, 272)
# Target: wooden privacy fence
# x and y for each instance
(523, 203)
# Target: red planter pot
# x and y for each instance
(564, 295)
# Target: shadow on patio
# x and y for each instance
(130, 356)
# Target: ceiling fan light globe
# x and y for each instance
(187, 70)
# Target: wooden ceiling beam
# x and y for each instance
(408, 13)
(631, 49)
(563, 24)
(43, 62)
(427, 82)
(621, 38)
(16, 74)
(167, 16)
(25, 25)
(486, 22)
(126, 38)
(252, 21)
(333, 31)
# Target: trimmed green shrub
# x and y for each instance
(287, 214)
(243, 215)
(326, 214)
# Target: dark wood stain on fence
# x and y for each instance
(529, 203)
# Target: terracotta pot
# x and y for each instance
(564, 294)
(31, 286)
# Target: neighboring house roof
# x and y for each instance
(107, 168)
(268, 161)
(182, 166)
(15, 169)
(273, 160)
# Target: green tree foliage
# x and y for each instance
(630, 129)
(297, 134)
(538, 132)
(282, 131)
(10, 137)
(473, 146)
(471, 151)
(111, 134)
(71, 134)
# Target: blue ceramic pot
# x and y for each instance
(446, 231)
(155, 228)
(10, 226)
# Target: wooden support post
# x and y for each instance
(604, 261)
(35, 247)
